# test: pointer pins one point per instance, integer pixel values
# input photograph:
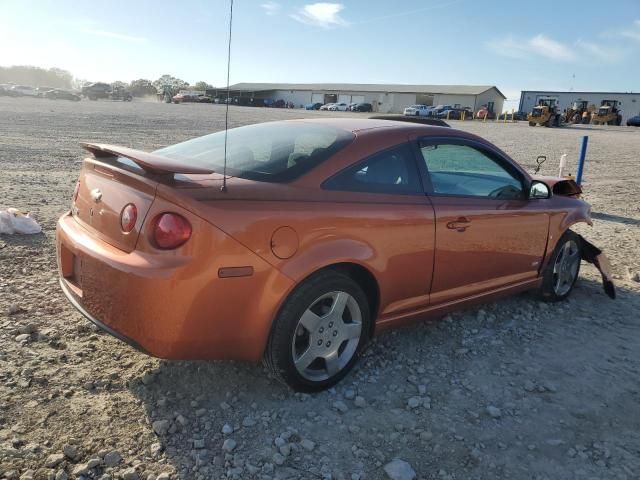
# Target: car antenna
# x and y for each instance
(226, 114)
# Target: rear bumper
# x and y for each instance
(173, 304)
(73, 300)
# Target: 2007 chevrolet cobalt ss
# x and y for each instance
(326, 232)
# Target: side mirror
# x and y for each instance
(539, 190)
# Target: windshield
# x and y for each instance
(269, 152)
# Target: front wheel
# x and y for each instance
(532, 124)
(562, 270)
(316, 337)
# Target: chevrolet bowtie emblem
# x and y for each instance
(96, 195)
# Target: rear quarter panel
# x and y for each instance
(393, 238)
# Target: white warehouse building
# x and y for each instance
(629, 103)
(383, 98)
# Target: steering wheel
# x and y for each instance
(508, 191)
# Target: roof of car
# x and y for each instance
(361, 124)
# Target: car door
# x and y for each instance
(381, 203)
(488, 234)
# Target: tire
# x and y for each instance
(532, 124)
(565, 260)
(305, 328)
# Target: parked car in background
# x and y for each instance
(418, 221)
(40, 91)
(313, 106)
(416, 110)
(257, 102)
(456, 114)
(633, 121)
(484, 112)
(279, 104)
(7, 91)
(97, 90)
(24, 90)
(338, 107)
(190, 97)
(437, 110)
(60, 94)
(326, 106)
(122, 94)
(363, 107)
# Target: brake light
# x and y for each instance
(171, 230)
(76, 190)
(128, 217)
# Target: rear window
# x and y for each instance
(269, 152)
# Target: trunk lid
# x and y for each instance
(102, 195)
(112, 179)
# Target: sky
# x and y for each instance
(575, 45)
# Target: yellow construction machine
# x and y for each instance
(608, 113)
(545, 113)
(579, 112)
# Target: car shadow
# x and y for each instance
(193, 400)
(615, 218)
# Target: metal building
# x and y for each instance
(383, 98)
(629, 102)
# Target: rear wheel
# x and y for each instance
(532, 124)
(561, 272)
(316, 337)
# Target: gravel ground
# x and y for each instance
(511, 390)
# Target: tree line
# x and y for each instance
(59, 78)
(36, 76)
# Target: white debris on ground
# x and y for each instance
(516, 389)
(13, 221)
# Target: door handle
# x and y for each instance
(461, 224)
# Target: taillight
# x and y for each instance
(128, 217)
(76, 190)
(171, 230)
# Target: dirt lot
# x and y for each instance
(512, 390)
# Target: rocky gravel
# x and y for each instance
(515, 389)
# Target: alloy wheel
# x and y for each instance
(565, 268)
(327, 336)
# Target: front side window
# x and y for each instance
(466, 171)
(268, 152)
(391, 171)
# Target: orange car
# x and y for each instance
(323, 233)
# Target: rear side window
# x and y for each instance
(391, 171)
(268, 152)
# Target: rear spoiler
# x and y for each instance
(149, 162)
(403, 118)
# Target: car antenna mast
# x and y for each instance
(226, 114)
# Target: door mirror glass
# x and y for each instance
(539, 190)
